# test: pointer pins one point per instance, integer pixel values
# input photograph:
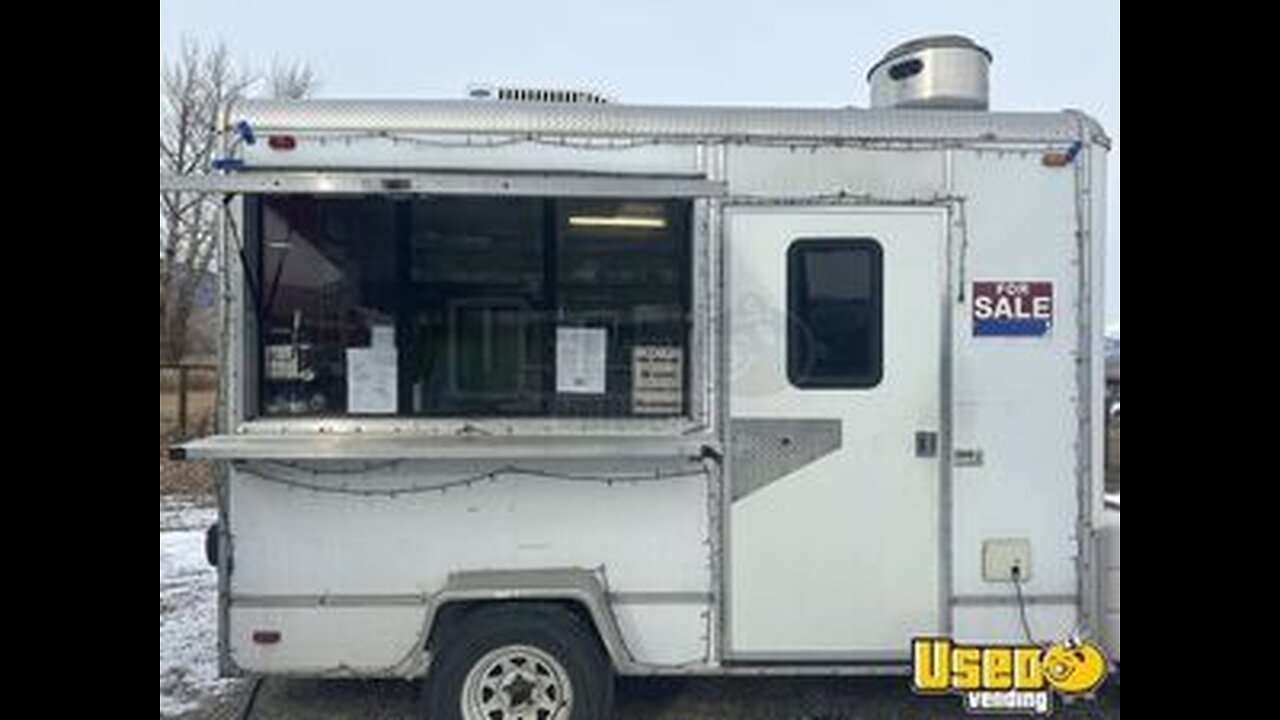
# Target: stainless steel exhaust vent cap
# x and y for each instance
(939, 72)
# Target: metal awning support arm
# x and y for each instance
(255, 286)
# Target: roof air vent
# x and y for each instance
(541, 95)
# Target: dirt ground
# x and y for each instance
(644, 699)
(187, 479)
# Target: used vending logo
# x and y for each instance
(1006, 679)
(1012, 308)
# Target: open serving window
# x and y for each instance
(468, 307)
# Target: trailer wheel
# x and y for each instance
(514, 662)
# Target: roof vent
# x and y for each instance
(542, 95)
(939, 72)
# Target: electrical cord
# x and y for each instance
(490, 475)
(358, 469)
(246, 711)
(1022, 605)
(1092, 704)
(473, 142)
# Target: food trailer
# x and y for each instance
(524, 390)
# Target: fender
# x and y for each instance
(576, 585)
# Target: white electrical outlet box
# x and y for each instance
(1001, 556)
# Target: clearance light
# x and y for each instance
(617, 221)
(1061, 159)
(266, 637)
(282, 142)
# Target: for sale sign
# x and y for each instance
(1012, 307)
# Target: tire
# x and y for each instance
(519, 662)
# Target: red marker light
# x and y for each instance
(282, 142)
(266, 637)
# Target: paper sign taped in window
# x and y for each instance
(657, 380)
(383, 336)
(580, 360)
(371, 381)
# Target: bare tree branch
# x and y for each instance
(198, 86)
(291, 81)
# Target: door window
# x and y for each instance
(835, 304)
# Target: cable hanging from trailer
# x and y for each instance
(261, 471)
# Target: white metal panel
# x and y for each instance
(1015, 397)
(793, 171)
(327, 641)
(842, 556)
(648, 537)
(669, 635)
(472, 154)
(299, 542)
(992, 623)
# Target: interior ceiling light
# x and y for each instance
(617, 221)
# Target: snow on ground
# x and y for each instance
(188, 604)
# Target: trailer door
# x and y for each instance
(836, 375)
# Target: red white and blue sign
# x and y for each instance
(1016, 308)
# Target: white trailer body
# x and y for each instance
(788, 511)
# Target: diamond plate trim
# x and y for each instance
(763, 450)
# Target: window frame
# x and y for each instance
(797, 284)
(697, 413)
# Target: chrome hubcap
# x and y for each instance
(517, 682)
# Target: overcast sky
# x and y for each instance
(1048, 56)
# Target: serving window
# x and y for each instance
(471, 306)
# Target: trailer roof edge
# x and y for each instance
(657, 121)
